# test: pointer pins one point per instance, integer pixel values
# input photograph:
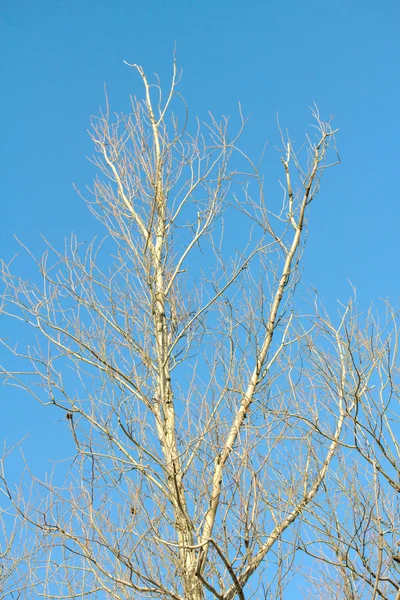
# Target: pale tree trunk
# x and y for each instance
(165, 416)
(165, 402)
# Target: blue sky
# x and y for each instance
(272, 56)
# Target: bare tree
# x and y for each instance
(210, 416)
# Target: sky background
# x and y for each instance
(272, 56)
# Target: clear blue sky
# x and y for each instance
(272, 56)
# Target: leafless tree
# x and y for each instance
(208, 420)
